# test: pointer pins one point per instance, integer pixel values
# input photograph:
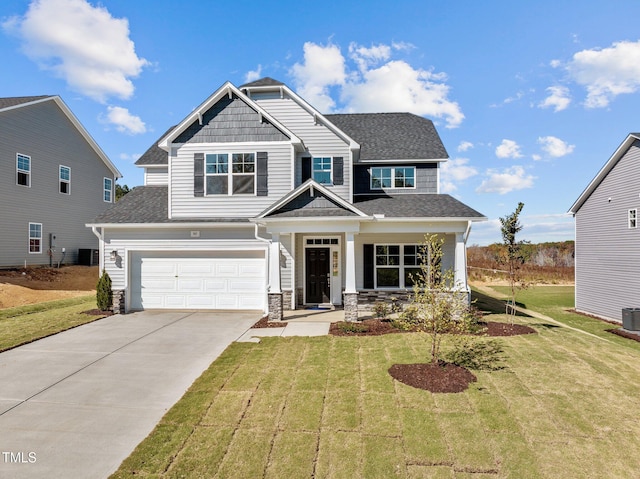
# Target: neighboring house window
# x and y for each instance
(398, 177)
(396, 266)
(23, 170)
(322, 170)
(65, 180)
(243, 173)
(107, 190)
(217, 173)
(241, 180)
(35, 237)
(633, 221)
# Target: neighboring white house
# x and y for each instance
(54, 178)
(607, 254)
(258, 201)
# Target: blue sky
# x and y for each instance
(530, 99)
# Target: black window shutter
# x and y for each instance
(338, 170)
(262, 174)
(198, 174)
(306, 168)
(368, 268)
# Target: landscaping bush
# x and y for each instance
(104, 295)
(472, 353)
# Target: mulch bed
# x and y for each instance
(505, 329)
(265, 323)
(97, 312)
(435, 377)
(624, 333)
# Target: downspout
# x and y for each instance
(100, 236)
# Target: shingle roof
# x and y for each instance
(392, 136)
(19, 100)
(155, 155)
(266, 81)
(149, 204)
(416, 206)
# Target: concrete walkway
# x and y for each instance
(76, 404)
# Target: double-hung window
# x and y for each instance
(23, 170)
(322, 170)
(393, 177)
(35, 237)
(397, 266)
(65, 179)
(107, 190)
(239, 179)
(217, 174)
(633, 218)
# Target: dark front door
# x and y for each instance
(317, 267)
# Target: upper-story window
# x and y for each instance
(65, 180)
(35, 237)
(241, 180)
(322, 170)
(633, 218)
(107, 195)
(393, 177)
(23, 170)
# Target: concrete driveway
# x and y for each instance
(76, 404)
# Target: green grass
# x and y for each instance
(25, 324)
(564, 406)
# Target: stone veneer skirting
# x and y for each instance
(275, 307)
(350, 301)
(118, 301)
(287, 300)
(367, 298)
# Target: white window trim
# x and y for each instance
(18, 170)
(632, 218)
(401, 266)
(60, 180)
(393, 178)
(230, 174)
(34, 237)
(323, 171)
(104, 190)
(335, 287)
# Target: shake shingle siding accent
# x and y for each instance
(230, 121)
(607, 250)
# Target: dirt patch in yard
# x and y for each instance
(435, 377)
(19, 287)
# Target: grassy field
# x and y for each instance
(564, 405)
(25, 324)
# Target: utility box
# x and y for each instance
(631, 319)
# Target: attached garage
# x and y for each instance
(205, 280)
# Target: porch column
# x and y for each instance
(461, 263)
(350, 293)
(275, 292)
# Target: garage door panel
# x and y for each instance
(164, 281)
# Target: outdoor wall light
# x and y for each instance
(113, 255)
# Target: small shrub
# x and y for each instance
(472, 353)
(104, 295)
(381, 309)
(352, 327)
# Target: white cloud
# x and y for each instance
(558, 98)
(508, 149)
(323, 67)
(84, 45)
(132, 157)
(505, 181)
(555, 147)
(465, 145)
(455, 171)
(374, 83)
(253, 75)
(607, 73)
(124, 121)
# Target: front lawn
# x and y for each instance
(564, 405)
(25, 324)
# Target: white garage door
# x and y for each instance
(214, 281)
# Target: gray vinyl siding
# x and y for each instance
(156, 176)
(43, 132)
(607, 250)
(183, 203)
(175, 240)
(426, 179)
(318, 139)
